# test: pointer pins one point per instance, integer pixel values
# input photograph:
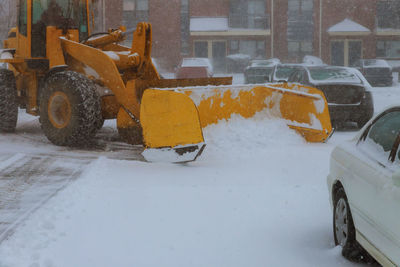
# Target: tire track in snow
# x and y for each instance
(28, 183)
(32, 170)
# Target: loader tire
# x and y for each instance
(100, 123)
(8, 101)
(70, 109)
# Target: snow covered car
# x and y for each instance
(346, 90)
(260, 71)
(364, 188)
(377, 71)
(194, 68)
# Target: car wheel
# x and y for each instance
(344, 230)
(343, 226)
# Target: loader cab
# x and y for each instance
(42, 22)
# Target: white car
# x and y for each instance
(364, 186)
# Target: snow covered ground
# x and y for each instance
(256, 197)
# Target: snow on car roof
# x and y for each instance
(313, 60)
(265, 62)
(197, 62)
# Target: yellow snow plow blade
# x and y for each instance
(304, 108)
(171, 127)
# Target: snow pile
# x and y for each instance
(241, 138)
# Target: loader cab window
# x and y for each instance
(22, 21)
(64, 14)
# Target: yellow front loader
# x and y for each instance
(74, 80)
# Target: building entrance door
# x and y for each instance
(214, 50)
(345, 52)
(219, 56)
(201, 49)
(354, 51)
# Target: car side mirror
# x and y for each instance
(396, 178)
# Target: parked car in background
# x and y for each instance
(364, 190)
(377, 71)
(272, 70)
(194, 68)
(345, 89)
(260, 71)
(282, 72)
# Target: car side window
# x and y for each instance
(296, 76)
(382, 139)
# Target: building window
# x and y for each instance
(387, 14)
(135, 11)
(388, 49)
(300, 28)
(300, 7)
(299, 49)
(248, 14)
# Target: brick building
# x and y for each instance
(338, 31)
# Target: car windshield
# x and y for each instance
(334, 75)
(283, 72)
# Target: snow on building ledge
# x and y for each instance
(387, 32)
(219, 26)
(348, 27)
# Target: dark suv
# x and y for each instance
(345, 89)
(377, 71)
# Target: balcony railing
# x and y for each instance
(249, 21)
